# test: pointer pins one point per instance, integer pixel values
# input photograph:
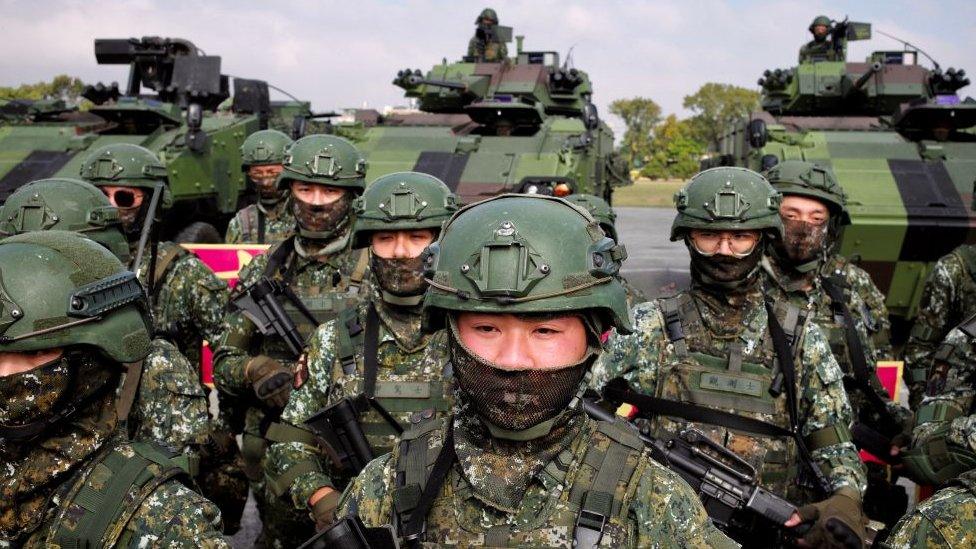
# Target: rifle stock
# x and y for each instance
(260, 305)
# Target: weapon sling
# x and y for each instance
(414, 528)
(371, 336)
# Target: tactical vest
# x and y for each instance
(253, 224)
(583, 497)
(97, 507)
(964, 305)
(696, 370)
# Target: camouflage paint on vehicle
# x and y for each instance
(875, 124)
(556, 135)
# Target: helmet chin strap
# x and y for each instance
(401, 301)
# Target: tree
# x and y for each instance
(640, 115)
(717, 105)
(675, 152)
(63, 87)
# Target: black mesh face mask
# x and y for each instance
(514, 399)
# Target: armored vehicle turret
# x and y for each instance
(526, 124)
(899, 139)
(174, 102)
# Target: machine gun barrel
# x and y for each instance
(863, 79)
(414, 80)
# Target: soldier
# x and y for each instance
(947, 519)
(377, 349)
(270, 220)
(841, 299)
(315, 277)
(171, 406)
(485, 46)
(820, 48)
(186, 297)
(72, 320)
(715, 347)
(604, 214)
(948, 297)
(519, 463)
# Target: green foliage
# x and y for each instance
(675, 151)
(716, 106)
(640, 115)
(63, 87)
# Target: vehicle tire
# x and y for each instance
(199, 232)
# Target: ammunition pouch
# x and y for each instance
(936, 460)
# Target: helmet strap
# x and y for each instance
(401, 301)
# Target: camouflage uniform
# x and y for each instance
(948, 297)
(947, 519)
(406, 358)
(488, 52)
(244, 228)
(821, 49)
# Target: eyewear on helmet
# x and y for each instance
(709, 243)
(124, 197)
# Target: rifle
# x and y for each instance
(728, 486)
(349, 532)
(338, 426)
(260, 305)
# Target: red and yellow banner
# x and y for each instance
(226, 261)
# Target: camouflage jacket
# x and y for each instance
(244, 228)
(951, 392)
(948, 297)
(188, 299)
(412, 382)
(171, 407)
(947, 519)
(727, 365)
(823, 50)
(652, 507)
(870, 316)
(324, 284)
(490, 52)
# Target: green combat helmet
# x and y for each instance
(599, 209)
(126, 165)
(326, 160)
(802, 178)
(263, 148)
(59, 289)
(525, 254)
(399, 201)
(66, 205)
(727, 198)
(820, 20)
(487, 13)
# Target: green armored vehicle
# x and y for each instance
(525, 124)
(191, 121)
(898, 138)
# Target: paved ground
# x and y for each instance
(654, 262)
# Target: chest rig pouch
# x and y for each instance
(585, 496)
(97, 507)
(735, 394)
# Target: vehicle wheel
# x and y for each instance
(198, 232)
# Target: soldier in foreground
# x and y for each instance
(842, 300)
(948, 297)
(604, 214)
(186, 297)
(72, 318)
(485, 45)
(374, 350)
(269, 220)
(311, 276)
(946, 520)
(717, 347)
(525, 286)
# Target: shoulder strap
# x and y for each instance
(371, 351)
(261, 225)
(349, 332)
(416, 490)
(599, 501)
(123, 484)
(359, 271)
(278, 256)
(165, 261)
(244, 219)
(673, 308)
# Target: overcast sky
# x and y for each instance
(344, 54)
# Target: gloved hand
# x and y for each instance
(272, 382)
(935, 459)
(324, 508)
(837, 522)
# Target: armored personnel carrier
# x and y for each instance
(899, 139)
(189, 118)
(526, 124)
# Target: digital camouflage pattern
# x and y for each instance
(947, 519)
(952, 388)
(188, 301)
(407, 359)
(866, 304)
(279, 224)
(658, 509)
(650, 363)
(948, 297)
(171, 406)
